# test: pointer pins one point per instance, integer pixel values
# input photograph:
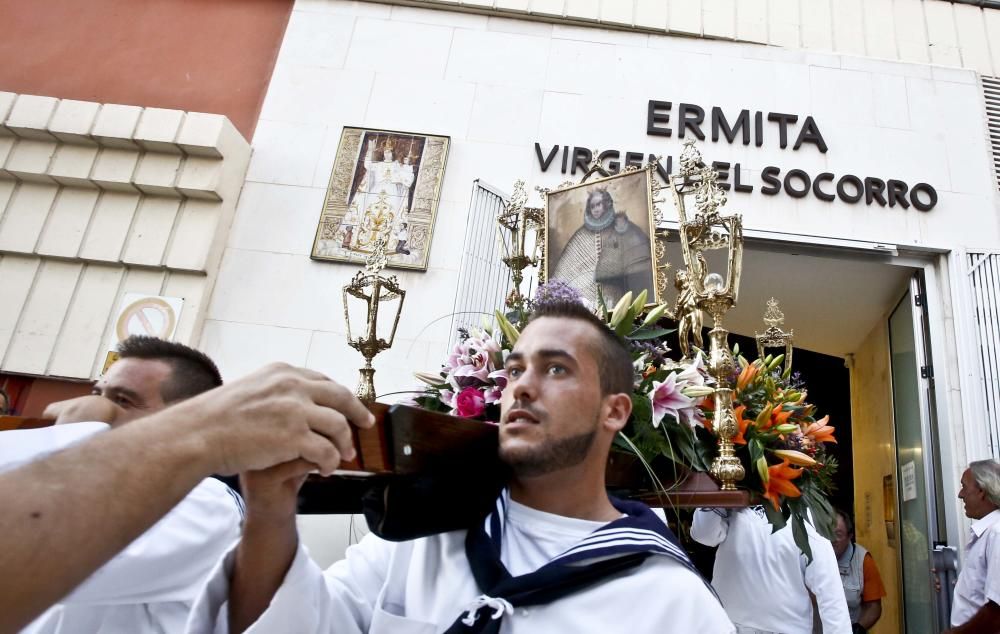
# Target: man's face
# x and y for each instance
(552, 407)
(595, 206)
(841, 537)
(977, 505)
(134, 386)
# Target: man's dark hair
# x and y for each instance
(613, 359)
(603, 194)
(848, 520)
(191, 371)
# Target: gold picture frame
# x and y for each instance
(619, 250)
(383, 183)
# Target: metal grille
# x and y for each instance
(991, 93)
(483, 279)
(984, 279)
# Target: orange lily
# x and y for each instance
(777, 417)
(779, 483)
(820, 431)
(741, 424)
(746, 376)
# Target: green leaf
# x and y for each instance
(776, 518)
(642, 409)
(641, 334)
(822, 512)
(686, 443)
(507, 328)
(801, 536)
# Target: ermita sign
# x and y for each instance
(748, 127)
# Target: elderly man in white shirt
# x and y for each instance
(763, 578)
(976, 606)
(555, 555)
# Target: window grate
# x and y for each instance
(484, 278)
(984, 279)
(991, 94)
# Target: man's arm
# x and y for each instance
(710, 526)
(135, 474)
(50, 521)
(182, 547)
(871, 612)
(269, 543)
(872, 593)
(984, 621)
(822, 577)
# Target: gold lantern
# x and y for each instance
(373, 289)
(516, 221)
(774, 336)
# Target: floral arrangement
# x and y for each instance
(780, 442)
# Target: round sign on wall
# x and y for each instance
(148, 316)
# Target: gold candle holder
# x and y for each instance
(711, 292)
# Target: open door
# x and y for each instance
(918, 495)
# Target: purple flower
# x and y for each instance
(556, 291)
(472, 360)
(667, 398)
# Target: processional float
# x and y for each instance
(415, 463)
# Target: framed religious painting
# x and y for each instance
(386, 184)
(600, 235)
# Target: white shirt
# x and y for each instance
(423, 586)
(979, 580)
(763, 578)
(150, 586)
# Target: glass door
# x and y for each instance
(916, 461)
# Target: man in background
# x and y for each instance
(69, 513)
(149, 586)
(764, 580)
(859, 576)
(976, 606)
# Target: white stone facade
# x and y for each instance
(496, 86)
(919, 31)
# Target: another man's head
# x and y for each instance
(600, 204)
(152, 373)
(568, 392)
(843, 532)
(981, 488)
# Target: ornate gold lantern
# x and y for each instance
(516, 221)
(709, 290)
(774, 336)
(373, 289)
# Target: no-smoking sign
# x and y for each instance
(147, 315)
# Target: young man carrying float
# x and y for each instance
(556, 554)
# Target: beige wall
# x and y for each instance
(874, 458)
(923, 31)
(99, 200)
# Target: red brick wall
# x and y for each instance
(197, 55)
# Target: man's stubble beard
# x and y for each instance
(550, 456)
